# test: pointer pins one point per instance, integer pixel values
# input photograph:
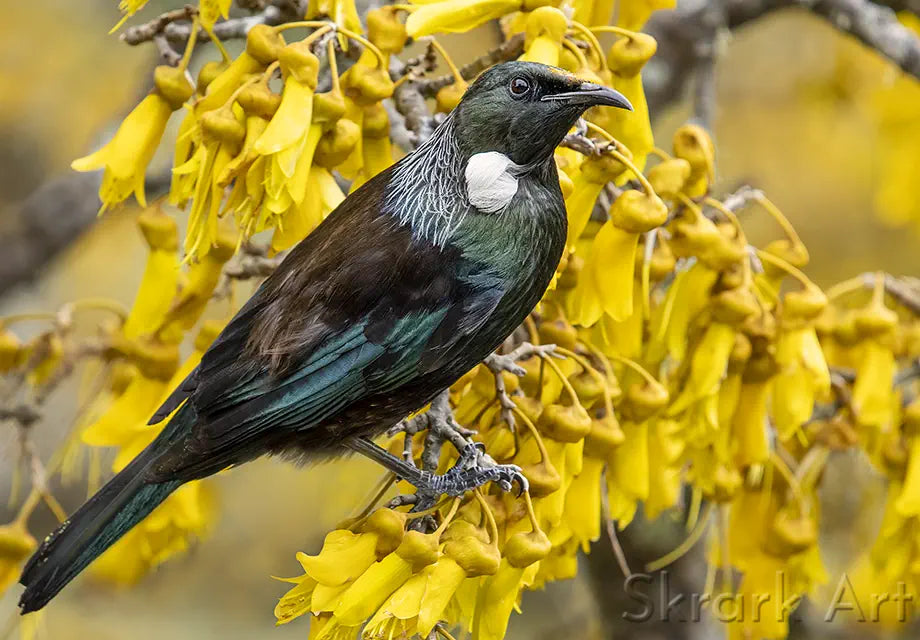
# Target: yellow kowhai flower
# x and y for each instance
(633, 128)
(613, 256)
(376, 150)
(342, 12)
(124, 424)
(129, 8)
(126, 156)
(665, 450)
(223, 132)
(544, 29)
(288, 127)
(344, 557)
(582, 512)
(873, 393)
(803, 377)
(15, 546)
(451, 16)
(371, 589)
(203, 276)
(631, 14)
(707, 366)
(211, 11)
(161, 274)
(687, 296)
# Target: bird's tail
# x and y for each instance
(123, 502)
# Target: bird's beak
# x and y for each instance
(589, 94)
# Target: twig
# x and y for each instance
(508, 50)
(418, 123)
(149, 30)
(500, 363)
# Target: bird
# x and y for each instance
(415, 278)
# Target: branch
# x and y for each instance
(174, 27)
(680, 31)
(50, 219)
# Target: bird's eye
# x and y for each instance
(519, 87)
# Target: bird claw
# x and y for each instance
(473, 469)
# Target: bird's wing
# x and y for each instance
(359, 307)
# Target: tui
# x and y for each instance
(414, 279)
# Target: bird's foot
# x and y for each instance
(473, 469)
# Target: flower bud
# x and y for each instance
(605, 436)
(385, 30)
(564, 424)
(258, 100)
(298, 62)
(628, 55)
(208, 72)
(390, 526)
(222, 126)
(328, 107)
(669, 177)
(418, 549)
(160, 230)
(693, 144)
(543, 478)
(637, 212)
(264, 44)
(791, 534)
(558, 332)
(447, 98)
(523, 549)
(643, 400)
(337, 144)
(172, 84)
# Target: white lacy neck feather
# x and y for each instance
(432, 192)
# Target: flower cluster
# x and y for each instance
(684, 356)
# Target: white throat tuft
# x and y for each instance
(490, 181)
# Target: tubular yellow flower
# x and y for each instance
(708, 366)
(126, 156)
(633, 128)
(687, 297)
(612, 260)
(450, 16)
(161, 275)
(544, 29)
(749, 426)
(595, 172)
(297, 601)
(342, 12)
(343, 558)
(803, 376)
(203, 276)
(634, 14)
(213, 10)
(365, 595)
(583, 503)
(628, 473)
(498, 595)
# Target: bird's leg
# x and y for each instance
(473, 468)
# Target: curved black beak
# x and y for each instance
(588, 95)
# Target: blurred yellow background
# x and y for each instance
(792, 119)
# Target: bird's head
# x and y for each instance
(524, 110)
